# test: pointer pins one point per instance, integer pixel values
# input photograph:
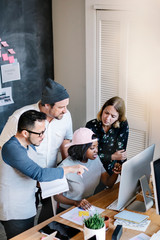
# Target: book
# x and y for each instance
(134, 226)
(131, 216)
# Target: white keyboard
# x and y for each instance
(155, 236)
(113, 205)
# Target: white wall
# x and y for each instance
(69, 54)
(69, 62)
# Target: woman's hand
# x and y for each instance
(119, 155)
(117, 168)
(84, 204)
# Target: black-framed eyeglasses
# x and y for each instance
(40, 134)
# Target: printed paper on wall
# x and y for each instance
(6, 96)
(10, 72)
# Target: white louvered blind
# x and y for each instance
(110, 54)
(136, 142)
(138, 120)
(116, 74)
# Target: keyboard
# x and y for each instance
(113, 206)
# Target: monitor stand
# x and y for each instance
(147, 196)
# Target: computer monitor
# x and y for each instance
(155, 172)
(133, 170)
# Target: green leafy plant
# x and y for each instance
(94, 222)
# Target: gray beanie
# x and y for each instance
(53, 92)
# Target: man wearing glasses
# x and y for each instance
(58, 131)
(19, 171)
(53, 103)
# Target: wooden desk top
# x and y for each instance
(101, 200)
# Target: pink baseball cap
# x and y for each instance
(82, 136)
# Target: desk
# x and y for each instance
(101, 200)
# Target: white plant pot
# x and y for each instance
(100, 233)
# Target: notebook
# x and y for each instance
(131, 216)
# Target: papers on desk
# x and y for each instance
(132, 220)
(131, 225)
(54, 187)
(155, 236)
(51, 237)
(74, 215)
(141, 236)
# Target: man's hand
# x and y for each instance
(79, 169)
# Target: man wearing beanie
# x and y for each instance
(53, 103)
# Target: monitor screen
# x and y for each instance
(132, 171)
(155, 172)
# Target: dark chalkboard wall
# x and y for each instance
(26, 25)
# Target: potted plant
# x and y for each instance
(94, 225)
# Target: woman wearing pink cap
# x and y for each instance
(83, 150)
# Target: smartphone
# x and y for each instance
(64, 232)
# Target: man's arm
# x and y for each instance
(17, 157)
(68, 136)
(63, 149)
(9, 130)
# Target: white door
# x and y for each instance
(118, 72)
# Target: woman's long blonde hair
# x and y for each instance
(119, 105)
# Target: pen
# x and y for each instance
(81, 208)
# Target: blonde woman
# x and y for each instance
(111, 128)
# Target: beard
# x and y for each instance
(59, 117)
(31, 142)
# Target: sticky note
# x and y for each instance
(11, 59)
(11, 51)
(83, 213)
(5, 57)
(5, 44)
